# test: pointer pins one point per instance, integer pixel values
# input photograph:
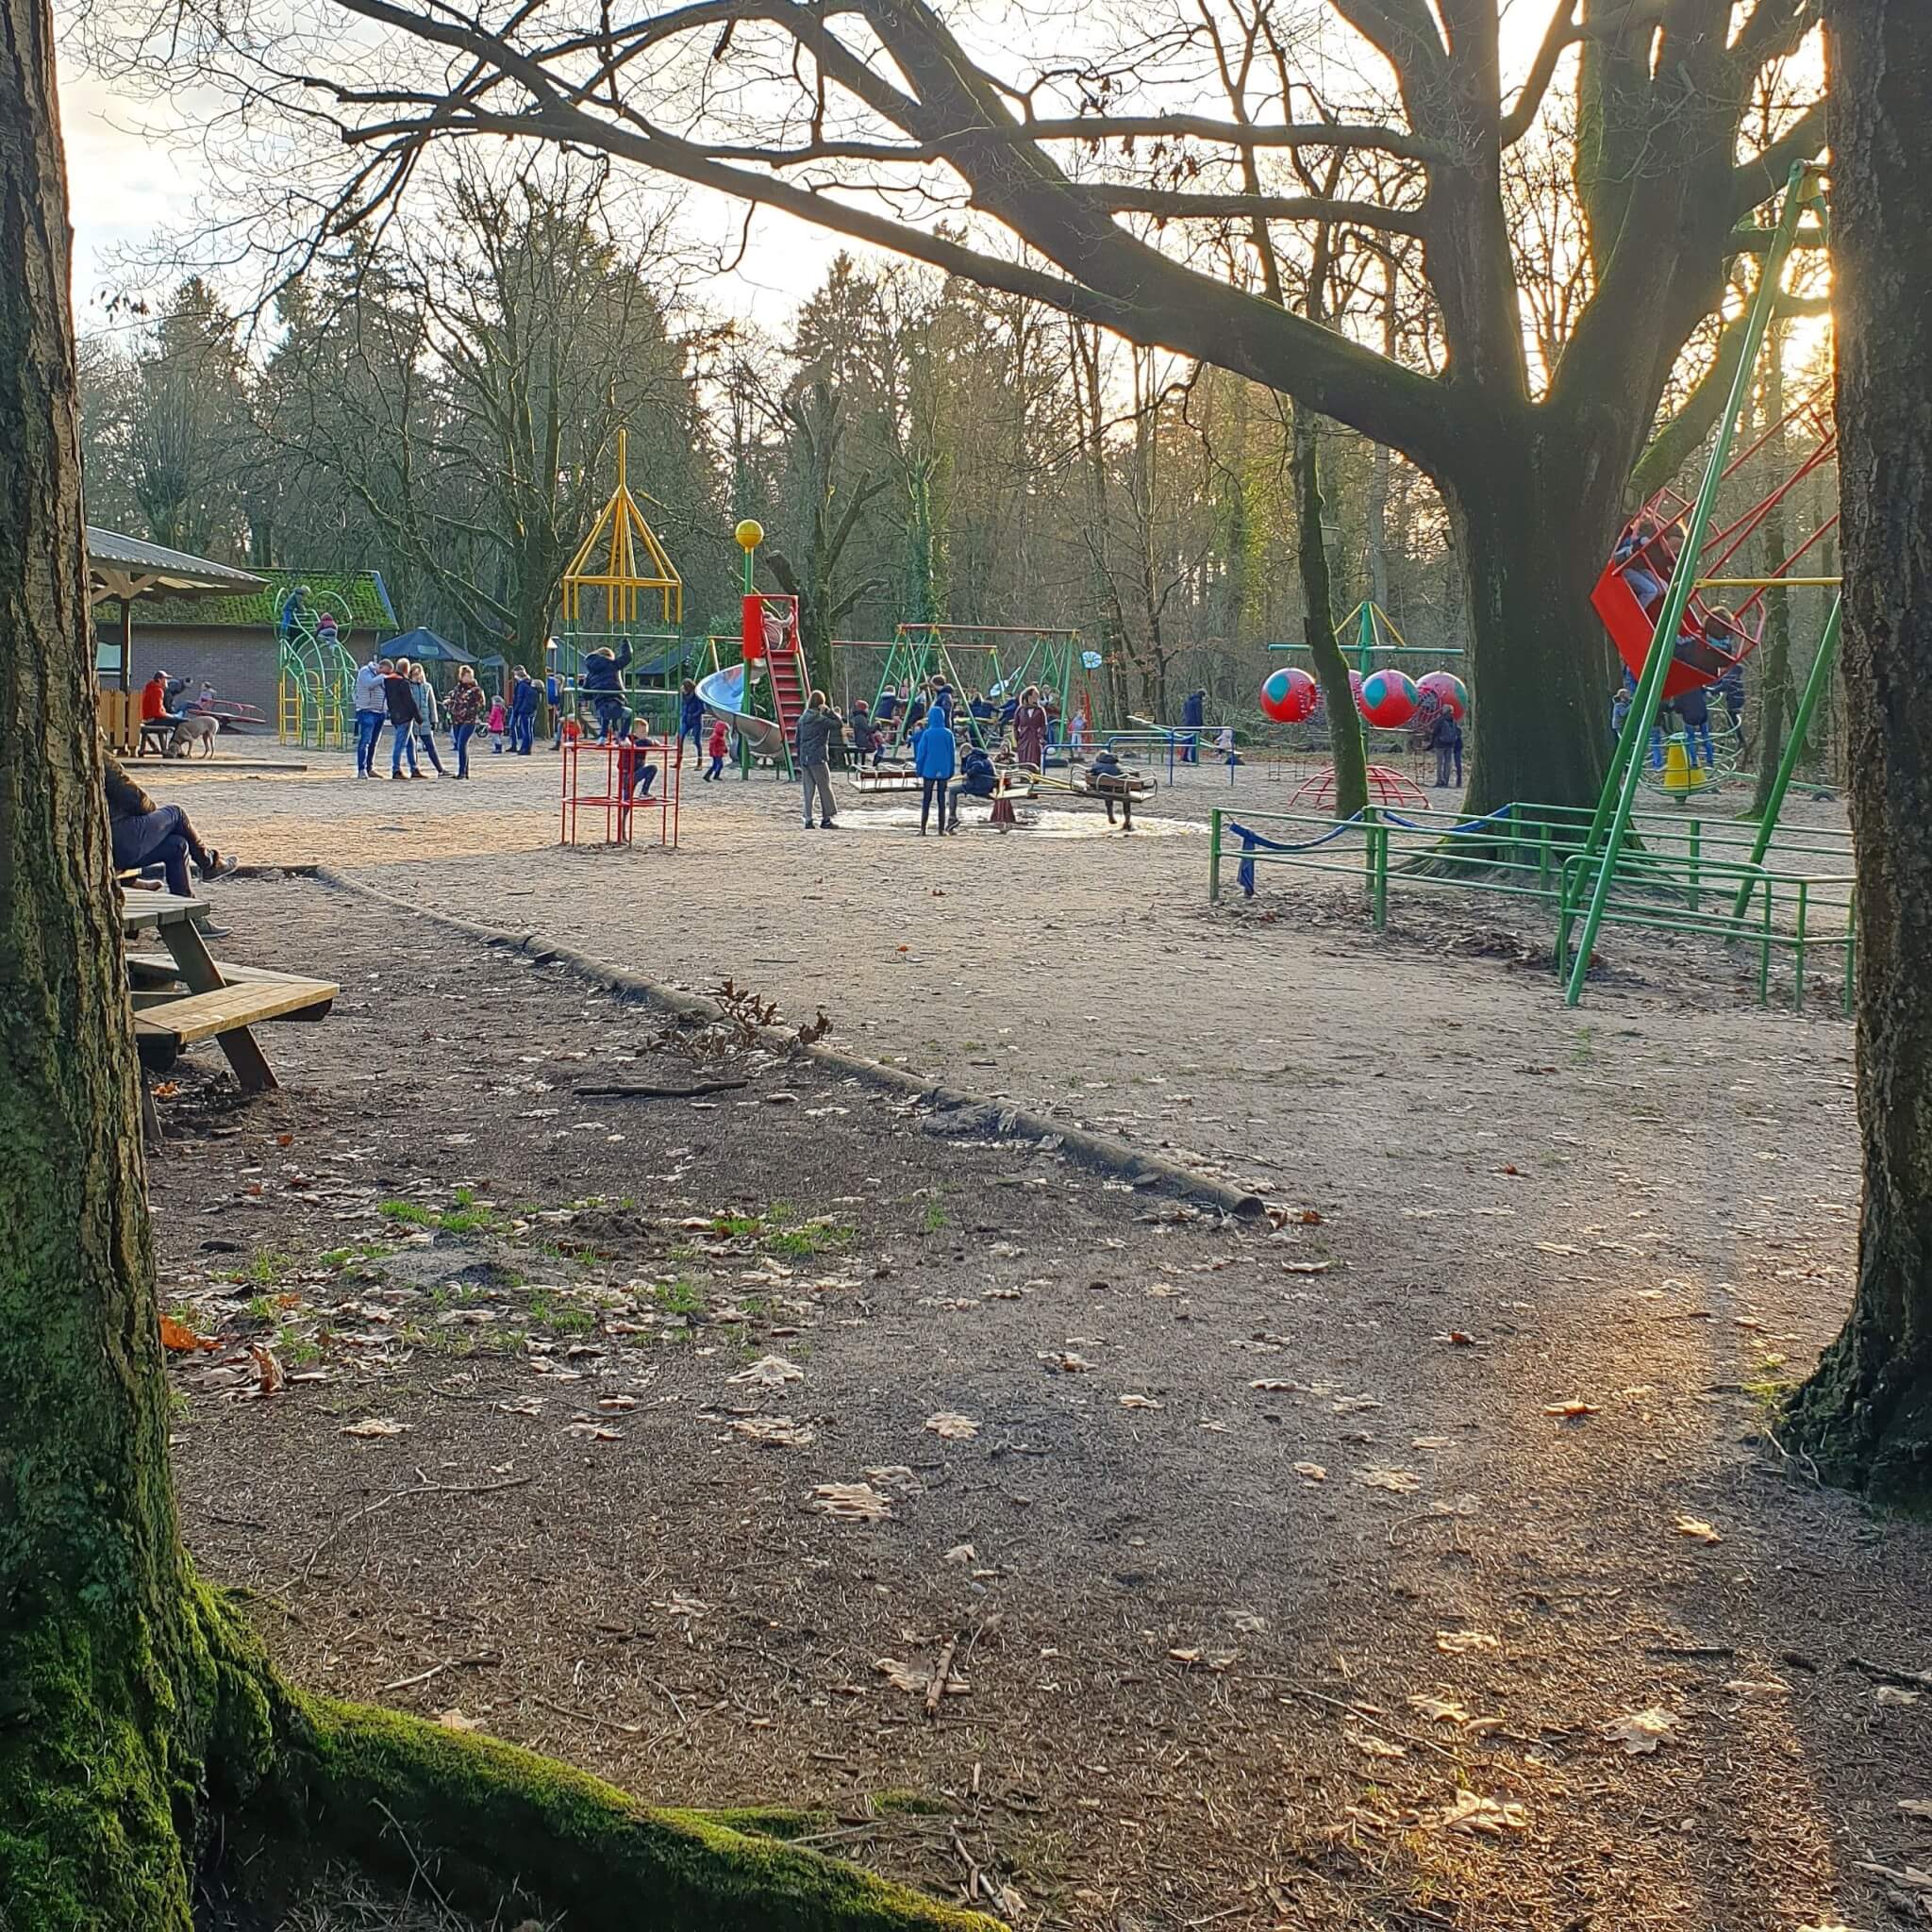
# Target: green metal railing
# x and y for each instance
(1687, 877)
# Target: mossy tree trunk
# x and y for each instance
(1866, 1415)
(121, 1701)
(135, 1709)
(1318, 598)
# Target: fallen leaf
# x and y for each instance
(454, 1720)
(530, 1405)
(1403, 1482)
(180, 1337)
(595, 1431)
(1274, 1385)
(1472, 1813)
(1916, 1808)
(269, 1375)
(1890, 1693)
(1430, 1442)
(1457, 1337)
(1463, 1642)
(1698, 1532)
(1305, 1267)
(769, 1372)
(1068, 1363)
(901, 1677)
(375, 1426)
(1142, 1402)
(1439, 1711)
(617, 1403)
(1912, 1875)
(1312, 1472)
(774, 1431)
(952, 1426)
(678, 1605)
(852, 1501)
(1374, 1747)
(961, 1552)
(1570, 1408)
(1640, 1731)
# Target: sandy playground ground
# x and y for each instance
(1410, 1508)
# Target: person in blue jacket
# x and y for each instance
(522, 712)
(1193, 715)
(935, 758)
(977, 778)
(603, 684)
(691, 718)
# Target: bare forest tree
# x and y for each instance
(1866, 1415)
(876, 118)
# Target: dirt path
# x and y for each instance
(1189, 1657)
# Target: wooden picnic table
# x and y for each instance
(186, 994)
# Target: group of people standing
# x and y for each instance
(396, 693)
(950, 745)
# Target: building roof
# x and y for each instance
(122, 566)
(359, 593)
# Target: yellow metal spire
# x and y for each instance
(634, 563)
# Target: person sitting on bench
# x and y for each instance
(1108, 782)
(976, 777)
(158, 717)
(146, 834)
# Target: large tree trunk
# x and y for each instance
(1318, 597)
(1866, 1415)
(1533, 529)
(135, 1709)
(117, 1677)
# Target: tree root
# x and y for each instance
(1865, 1419)
(386, 1791)
(115, 1772)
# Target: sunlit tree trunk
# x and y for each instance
(1866, 1415)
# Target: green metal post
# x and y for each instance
(1851, 948)
(1788, 765)
(1650, 685)
(1798, 955)
(1214, 856)
(1365, 638)
(1696, 849)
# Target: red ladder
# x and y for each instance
(789, 687)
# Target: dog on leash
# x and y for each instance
(196, 731)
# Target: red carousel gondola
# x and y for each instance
(1710, 640)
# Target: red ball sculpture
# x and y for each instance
(1387, 699)
(1447, 690)
(1287, 696)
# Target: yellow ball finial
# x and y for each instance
(750, 534)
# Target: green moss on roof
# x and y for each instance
(362, 592)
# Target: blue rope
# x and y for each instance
(1389, 818)
(1252, 840)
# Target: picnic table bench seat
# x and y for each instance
(165, 1023)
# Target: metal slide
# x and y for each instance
(722, 693)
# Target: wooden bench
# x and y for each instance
(165, 1023)
(157, 734)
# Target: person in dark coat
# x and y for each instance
(399, 699)
(145, 834)
(690, 717)
(1193, 715)
(603, 684)
(1446, 741)
(818, 726)
(525, 692)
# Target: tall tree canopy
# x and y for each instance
(1147, 167)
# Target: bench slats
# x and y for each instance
(203, 1015)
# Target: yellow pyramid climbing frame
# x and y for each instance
(623, 558)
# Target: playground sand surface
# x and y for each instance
(1188, 1657)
